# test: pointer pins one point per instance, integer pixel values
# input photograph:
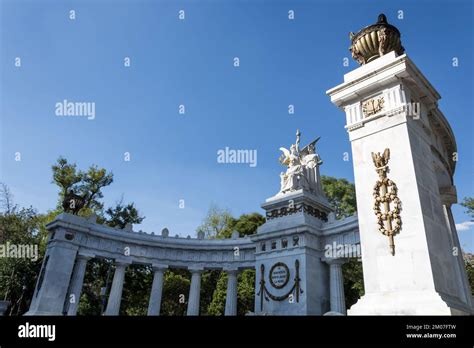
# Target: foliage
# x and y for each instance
(175, 292)
(88, 185)
(136, 290)
(353, 281)
(98, 276)
(245, 294)
(341, 195)
(468, 203)
(246, 224)
(217, 223)
(122, 214)
(469, 264)
(20, 227)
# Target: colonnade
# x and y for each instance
(115, 295)
(336, 281)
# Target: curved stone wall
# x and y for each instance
(95, 240)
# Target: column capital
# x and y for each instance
(334, 261)
(231, 270)
(448, 195)
(196, 270)
(122, 262)
(159, 267)
(83, 257)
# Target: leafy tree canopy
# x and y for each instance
(341, 194)
(468, 203)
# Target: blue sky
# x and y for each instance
(190, 62)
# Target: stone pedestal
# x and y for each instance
(389, 104)
(291, 279)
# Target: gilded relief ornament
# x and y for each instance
(387, 205)
(372, 106)
(374, 41)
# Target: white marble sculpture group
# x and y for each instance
(301, 166)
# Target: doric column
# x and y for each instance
(156, 290)
(115, 296)
(194, 292)
(231, 297)
(336, 281)
(76, 284)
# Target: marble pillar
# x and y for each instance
(231, 296)
(76, 284)
(336, 282)
(115, 296)
(156, 290)
(194, 292)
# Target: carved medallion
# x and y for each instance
(372, 106)
(279, 275)
(266, 295)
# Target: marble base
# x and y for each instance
(404, 303)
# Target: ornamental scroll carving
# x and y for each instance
(387, 205)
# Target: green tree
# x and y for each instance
(85, 186)
(341, 195)
(96, 286)
(99, 272)
(176, 285)
(88, 186)
(246, 224)
(469, 264)
(18, 274)
(122, 214)
(217, 223)
(136, 292)
(468, 203)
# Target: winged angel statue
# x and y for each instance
(301, 166)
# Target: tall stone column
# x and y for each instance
(336, 282)
(231, 296)
(194, 292)
(115, 296)
(397, 132)
(55, 275)
(76, 284)
(156, 290)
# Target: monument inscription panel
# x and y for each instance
(279, 275)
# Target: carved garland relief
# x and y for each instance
(373, 106)
(387, 205)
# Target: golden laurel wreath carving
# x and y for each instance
(373, 106)
(386, 197)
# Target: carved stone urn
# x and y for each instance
(375, 40)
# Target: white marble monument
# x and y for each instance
(411, 255)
